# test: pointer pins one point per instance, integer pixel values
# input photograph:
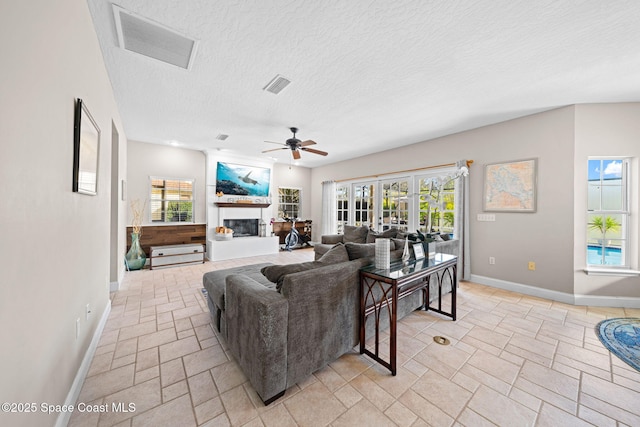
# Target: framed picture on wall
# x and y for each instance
(86, 146)
(510, 186)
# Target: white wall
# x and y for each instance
(146, 160)
(55, 245)
(605, 130)
(545, 237)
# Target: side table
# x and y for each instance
(395, 283)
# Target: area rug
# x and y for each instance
(622, 337)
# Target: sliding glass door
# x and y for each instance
(395, 204)
(364, 196)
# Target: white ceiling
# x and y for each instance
(366, 75)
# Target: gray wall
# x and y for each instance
(561, 140)
(55, 246)
(146, 160)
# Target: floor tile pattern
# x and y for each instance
(513, 360)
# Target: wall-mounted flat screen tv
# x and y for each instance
(240, 180)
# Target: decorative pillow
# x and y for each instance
(335, 255)
(360, 250)
(401, 235)
(386, 234)
(276, 273)
(355, 234)
(400, 243)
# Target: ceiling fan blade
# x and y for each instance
(307, 142)
(296, 154)
(314, 151)
(271, 142)
(276, 149)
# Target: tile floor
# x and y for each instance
(514, 360)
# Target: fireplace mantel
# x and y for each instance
(241, 205)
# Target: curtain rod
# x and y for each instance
(469, 162)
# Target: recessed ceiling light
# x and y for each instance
(222, 137)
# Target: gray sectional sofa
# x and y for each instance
(284, 322)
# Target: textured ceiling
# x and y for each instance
(366, 75)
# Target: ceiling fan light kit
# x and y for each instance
(295, 145)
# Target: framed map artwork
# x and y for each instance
(510, 187)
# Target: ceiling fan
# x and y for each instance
(295, 145)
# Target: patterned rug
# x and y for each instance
(622, 337)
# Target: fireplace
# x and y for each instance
(242, 227)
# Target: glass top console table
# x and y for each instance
(381, 289)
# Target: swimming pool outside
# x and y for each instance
(612, 256)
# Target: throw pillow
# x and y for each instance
(401, 235)
(386, 234)
(276, 273)
(360, 250)
(335, 255)
(355, 234)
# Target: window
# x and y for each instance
(342, 197)
(171, 200)
(608, 212)
(436, 206)
(289, 202)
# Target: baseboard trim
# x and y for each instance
(607, 301)
(115, 286)
(524, 289)
(74, 392)
(574, 299)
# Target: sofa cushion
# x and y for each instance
(276, 273)
(335, 255)
(355, 234)
(214, 281)
(368, 250)
(386, 234)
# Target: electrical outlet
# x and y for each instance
(492, 260)
(88, 311)
(532, 265)
(77, 328)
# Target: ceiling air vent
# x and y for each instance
(222, 137)
(148, 38)
(277, 84)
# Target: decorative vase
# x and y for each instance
(383, 253)
(406, 254)
(135, 258)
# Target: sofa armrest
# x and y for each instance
(257, 333)
(323, 316)
(331, 239)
